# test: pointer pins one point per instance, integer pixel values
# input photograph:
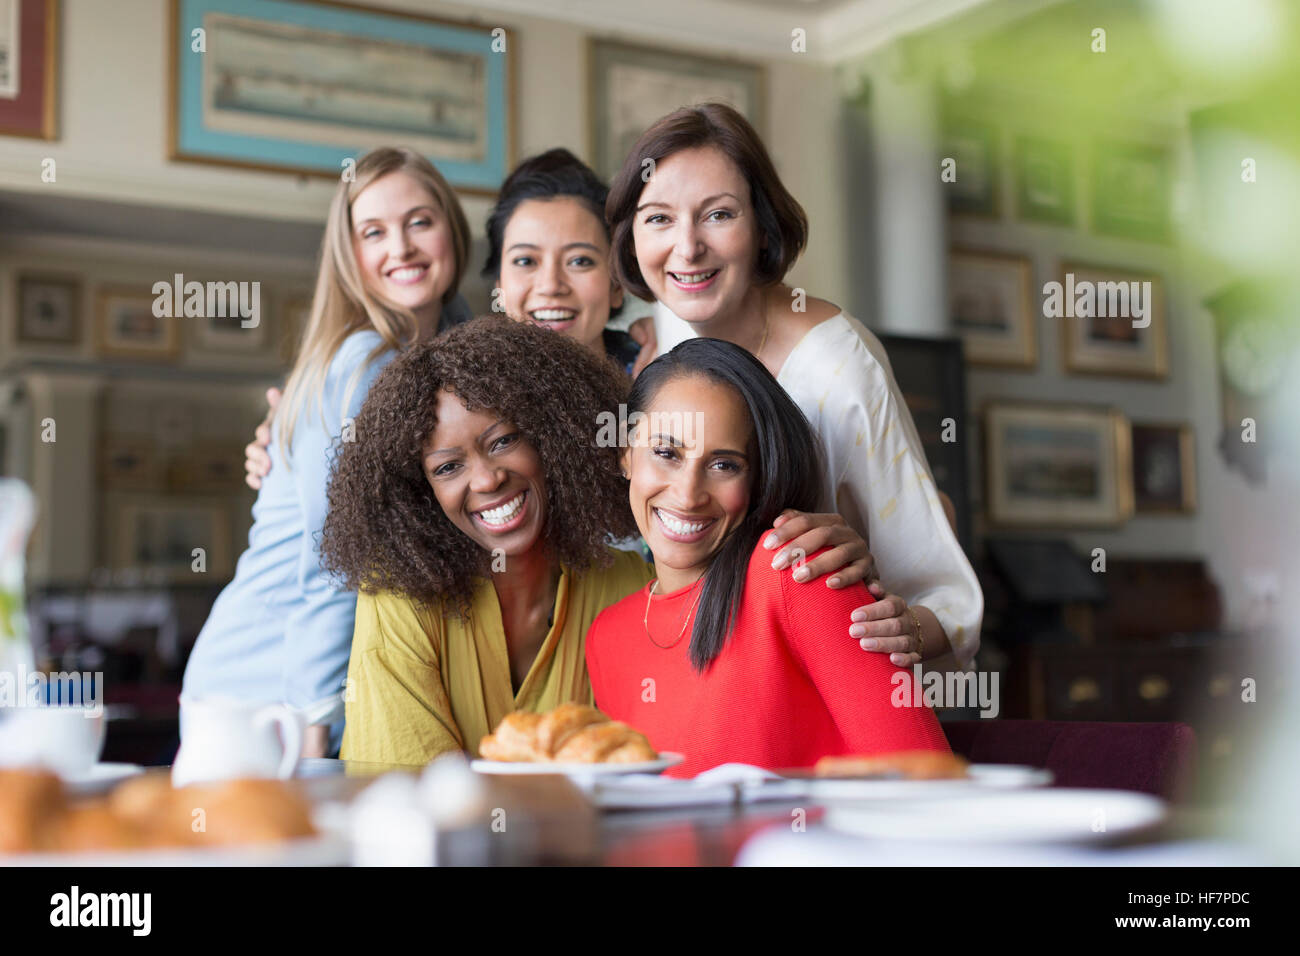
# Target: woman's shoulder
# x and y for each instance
(357, 349)
(842, 356)
(388, 620)
(625, 573)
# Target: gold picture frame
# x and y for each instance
(715, 77)
(1057, 465)
(125, 326)
(47, 127)
(1113, 345)
(991, 303)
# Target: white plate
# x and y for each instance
(100, 776)
(665, 761)
(981, 777)
(1025, 816)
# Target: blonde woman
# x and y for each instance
(395, 248)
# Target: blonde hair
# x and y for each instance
(341, 303)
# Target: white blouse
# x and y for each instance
(877, 476)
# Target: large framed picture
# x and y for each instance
(1044, 181)
(49, 309)
(1164, 469)
(990, 299)
(633, 86)
(126, 327)
(1113, 322)
(345, 80)
(1057, 465)
(161, 536)
(29, 62)
(973, 146)
(1131, 191)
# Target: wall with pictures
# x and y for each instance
(1229, 524)
(113, 124)
(148, 429)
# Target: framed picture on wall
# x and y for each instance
(129, 464)
(160, 537)
(346, 80)
(126, 327)
(1044, 181)
(973, 146)
(1131, 191)
(49, 309)
(990, 299)
(29, 63)
(1164, 469)
(632, 86)
(1113, 322)
(1057, 465)
(227, 333)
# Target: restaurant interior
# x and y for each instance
(1070, 223)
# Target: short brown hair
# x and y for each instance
(782, 223)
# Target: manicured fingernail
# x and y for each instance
(871, 643)
(801, 574)
(833, 583)
(770, 541)
(782, 557)
(858, 615)
(858, 630)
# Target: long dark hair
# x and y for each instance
(786, 474)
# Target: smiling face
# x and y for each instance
(696, 235)
(488, 478)
(403, 243)
(555, 269)
(690, 467)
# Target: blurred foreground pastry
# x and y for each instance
(909, 764)
(571, 733)
(147, 812)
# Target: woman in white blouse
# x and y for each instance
(702, 224)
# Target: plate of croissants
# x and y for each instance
(145, 821)
(571, 739)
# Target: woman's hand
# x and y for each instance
(643, 333)
(316, 741)
(804, 534)
(887, 627)
(256, 460)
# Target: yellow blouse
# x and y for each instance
(421, 683)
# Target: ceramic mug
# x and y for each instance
(67, 740)
(223, 739)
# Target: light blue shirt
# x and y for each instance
(281, 630)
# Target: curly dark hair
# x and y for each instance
(385, 530)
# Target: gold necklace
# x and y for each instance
(645, 621)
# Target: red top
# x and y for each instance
(790, 685)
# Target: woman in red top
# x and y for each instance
(722, 658)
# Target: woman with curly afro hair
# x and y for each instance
(472, 511)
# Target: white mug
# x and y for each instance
(67, 740)
(222, 739)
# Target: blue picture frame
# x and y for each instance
(331, 94)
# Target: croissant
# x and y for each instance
(571, 733)
(910, 764)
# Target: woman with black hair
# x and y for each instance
(548, 253)
(723, 658)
